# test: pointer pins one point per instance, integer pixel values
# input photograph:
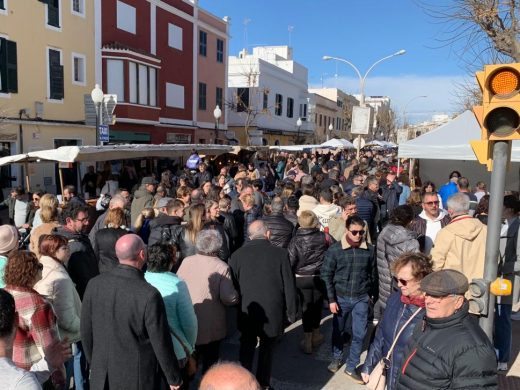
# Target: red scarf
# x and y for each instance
(352, 243)
(416, 301)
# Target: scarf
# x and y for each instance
(416, 301)
(352, 243)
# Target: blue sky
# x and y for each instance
(361, 31)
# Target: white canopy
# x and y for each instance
(71, 154)
(337, 143)
(449, 141)
(293, 148)
(381, 144)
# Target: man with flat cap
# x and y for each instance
(449, 350)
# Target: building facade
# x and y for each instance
(165, 60)
(45, 72)
(267, 92)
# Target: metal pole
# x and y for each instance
(496, 202)
(98, 121)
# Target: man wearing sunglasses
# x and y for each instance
(430, 221)
(350, 275)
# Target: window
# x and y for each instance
(219, 94)
(125, 17)
(53, 13)
(3, 5)
(278, 107)
(303, 112)
(116, 79)
(142, 84)
(8, 66)
(56, 85)
(78, 69)
(174, 36)
(290, 107)
(320, 120)
(265, 102)
(78, 7)
(220, 50)
(203, 43)
(242, 99)
(202, 96)
(174, 95)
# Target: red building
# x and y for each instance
(165, 60)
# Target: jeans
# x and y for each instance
(358, 308)
(311, 289)
(77, 366)
(265, 355)
(503, 332)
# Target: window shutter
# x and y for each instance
(53, 7)
(55, 75)
(12, 65)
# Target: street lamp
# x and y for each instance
(362, 79)
(217, 113)
(406, 106)
(299, 124)
(330, 131)
(97, 97)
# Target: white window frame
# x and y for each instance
(120, 98)
(47, 25)
(175, 96)
(82, 7)
(60, 101)
(84, 76)
(6, 10)
(175, 36)
(122, 22)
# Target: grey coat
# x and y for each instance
(391, 243)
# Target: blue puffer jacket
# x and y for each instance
(396, 314)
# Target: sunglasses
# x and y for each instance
(356, 232)
(402, 281)
(433, 202)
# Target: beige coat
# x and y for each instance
(211, 290)
(59, 290)
(461, 245)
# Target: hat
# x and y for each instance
(444, 282)
(8, 238)
(163, 202)
(148, 180)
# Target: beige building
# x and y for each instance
(47, 62)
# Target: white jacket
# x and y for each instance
(325, 212)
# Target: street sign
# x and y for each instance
(361, 117)
(357, 141)
(103, 133)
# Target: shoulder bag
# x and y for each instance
(377, 378)
(191, 361)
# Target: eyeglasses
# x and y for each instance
(403, 282)
(433, 202)
(82, 219)
(35, 199)
(356, 232)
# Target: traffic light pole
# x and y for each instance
(496, 202)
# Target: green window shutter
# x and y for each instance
(53, 7)
(55, 76)
(8, 66)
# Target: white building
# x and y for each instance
(268, 93)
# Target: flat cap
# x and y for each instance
(148, 180)
(163, 202)
(444, 282)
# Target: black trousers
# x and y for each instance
(208, 354)
(311, 289)
(248, 343)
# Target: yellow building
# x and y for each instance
(47, 66)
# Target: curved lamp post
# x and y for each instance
(408, 103)
(362, 79)
(97, 96)
(299, 124)
(330, 131)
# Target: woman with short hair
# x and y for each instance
(48, 213)
(211, 290)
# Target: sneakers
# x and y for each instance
(334, 366)
(502, 366)
(355, 376)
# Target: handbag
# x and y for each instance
(191, 361)
(106, 198)
(377, 378)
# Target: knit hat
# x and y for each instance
(307, 203)
(444, 282)
(8, 238)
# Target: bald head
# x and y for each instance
(228, 376)
(258, 230)
(129, 249)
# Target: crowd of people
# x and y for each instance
(134, 289)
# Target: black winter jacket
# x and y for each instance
(162, 222)
(307, 250)
(188, 248)
(83, 264)
(227, 220)
(105, 247)
(449, 353)
(281, 229)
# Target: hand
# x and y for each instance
(334, 308)
(365, 377)
(175, 387)
(58, 352)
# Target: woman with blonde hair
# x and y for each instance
(106, 238)
(49, 216)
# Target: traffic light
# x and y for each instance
(479, 297)
(499, 114)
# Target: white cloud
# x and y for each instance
(441, 92)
